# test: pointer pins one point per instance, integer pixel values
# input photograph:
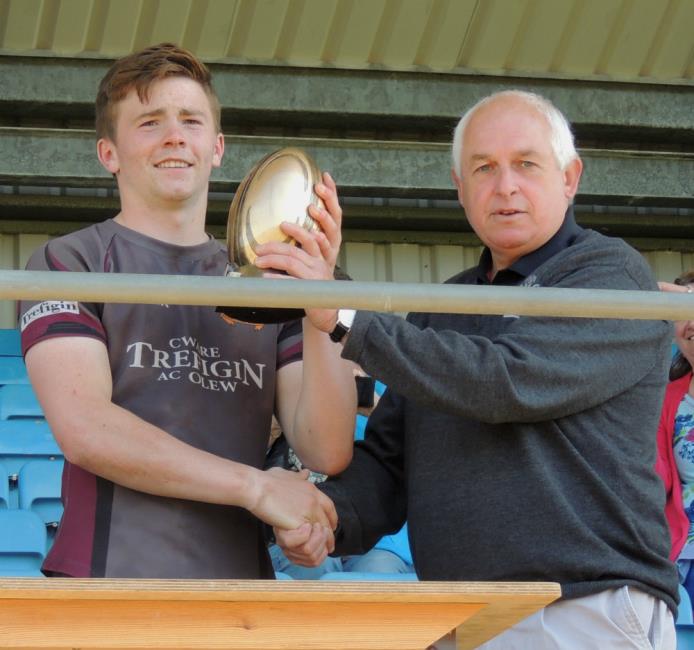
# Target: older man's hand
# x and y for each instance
(307, 545)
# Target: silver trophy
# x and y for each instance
(278, 188)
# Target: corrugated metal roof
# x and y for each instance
(630, 40)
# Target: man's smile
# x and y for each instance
(172, 164)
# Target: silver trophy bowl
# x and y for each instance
(278, 188)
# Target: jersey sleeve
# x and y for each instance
(290, 343)
(40, 320)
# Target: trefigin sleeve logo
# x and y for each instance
(48, 308)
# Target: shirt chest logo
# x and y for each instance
(185, 358)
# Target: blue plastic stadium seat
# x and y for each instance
(684, 611)
(18, 401)
(39, 485)
(13, 371)
(685, 636)
(22, 441)
(10, 344)
(22, 543)
(684, 626)
(4, 488)
(369, 577)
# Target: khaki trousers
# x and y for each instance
(614, 619)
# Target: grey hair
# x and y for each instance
(561, 137)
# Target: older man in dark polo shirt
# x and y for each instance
(519, 448)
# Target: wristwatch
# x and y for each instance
(345, 318)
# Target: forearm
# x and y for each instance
(142, 457)
(323, 429)
(112, 442)
(519, 375)
(118, 445)
(370, 501)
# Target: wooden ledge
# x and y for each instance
(254, 614)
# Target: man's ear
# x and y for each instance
(108, 155)
(572, 176)
(218, 150)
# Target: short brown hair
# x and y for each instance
(139, 71)
(685, 279)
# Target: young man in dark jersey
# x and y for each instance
(162, 411)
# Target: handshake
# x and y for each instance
(302, 517)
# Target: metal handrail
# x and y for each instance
(375, 296)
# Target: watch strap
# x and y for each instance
(339, 332)
(345, 317)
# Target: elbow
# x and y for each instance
(71, 452)
(339, 464)
(73, 445)
(332, 463)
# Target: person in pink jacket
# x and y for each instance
(675, 460)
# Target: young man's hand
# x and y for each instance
(287, 499)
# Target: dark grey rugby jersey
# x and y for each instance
(180, 368)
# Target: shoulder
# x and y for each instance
(676, 389)
(79, 250)
(422, 319)
(98, 233)
(597, 261)
(609, 250)
(674, 392)
(468, 276)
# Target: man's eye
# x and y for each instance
(483, 168)
(191, 120)
(149, 123)
(527, 164)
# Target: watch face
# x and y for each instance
(346, 317)
(278, 188)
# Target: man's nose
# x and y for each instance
(506, 181)
(174, 134)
